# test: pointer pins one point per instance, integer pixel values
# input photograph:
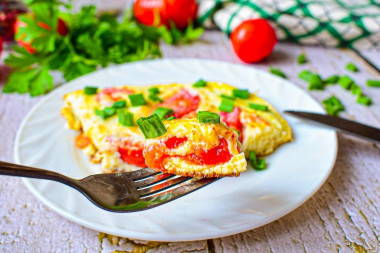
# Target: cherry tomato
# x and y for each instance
(253, 40)
(132, 154)
(182, 103)
(181, 12)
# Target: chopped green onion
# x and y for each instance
(256, 162)
(200, 83)
(100, 113)
(154, 90)
(352, 67)
(151, 126)
(90, 90)
(355, 89)
(305, 75)
(125, 118)
(226, 105)
(316, 83)
(137, 99)
(208, 117)
(244, 94)
(333, 106)
(119, 104)
(171, 118)
(277, 72)
(373, 83)
(154, 97)
(258, 107)
(331, 80)
(163, 112)
(364, 100)
(345, 82)
(227, 96)
(105, 113)
(301, 59)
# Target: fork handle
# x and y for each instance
(12, 169)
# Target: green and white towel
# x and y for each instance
(332, 23)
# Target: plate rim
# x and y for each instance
(179, 237)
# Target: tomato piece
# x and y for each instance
(232, 119)
(174, 142)
(214, 156)
(112, 94)
(253, 40)
(162, 185)
(162, 12)
(82, 141)
(62, 28)
(182, 103)
(132, 154)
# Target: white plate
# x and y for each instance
(231, 205)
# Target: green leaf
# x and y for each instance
(42, 83)
(19, 81)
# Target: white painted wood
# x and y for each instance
(343, 216)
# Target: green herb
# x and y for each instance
(171, 118)
(200, 83)
(151, 126)
(153, 90)
(373, 83)
(316, 83)
(119, 104)
(125, 118)
(305, 75)
(226, 105)
(154, 97)
(301, 59)
(331, 80)
(244, 94)
(364, 100)
(345, 82)
(100, 113)
(227, 96)
(105, 113)
(90, 90)
(352, 67)
(333, 106)
(163, 112)
(208, 117)
(258, 107)
(137, 99)
(176, 36)
(255, 162)
(277, 72)
(355, 89)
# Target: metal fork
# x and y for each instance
(119, 192)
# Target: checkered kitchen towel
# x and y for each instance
(333, 23)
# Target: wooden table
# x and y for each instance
(343, 216)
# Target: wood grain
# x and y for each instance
(343, 216)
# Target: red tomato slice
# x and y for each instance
(232, 119)
(183, 102)
(132, 154)
(174, 142)
(216, 155)
(112, 94)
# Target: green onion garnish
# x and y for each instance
(258, 107)
(364, 100)
(105, 113)
(305, 75)
(316, 83)
(171, 118)
(355, 89)
(226, 105)
(153, 90)
(90, 90)
(352, 67)
(208, 117)
(125, 118)
(154, 97)
(331, 80)
(163, 112)
(244, 94)
(345, 82)
(137, 99)
(227, 96)
(301, 59)
(333, 106)
(151, 126)
(200, 83)
(256, 162)
(100, 113)
(373, 83)
(119, 104)
(277, 72)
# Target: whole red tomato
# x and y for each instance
(253, 40)
(181, 12)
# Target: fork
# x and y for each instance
(119, 192)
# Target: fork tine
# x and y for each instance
(162, 185)
(151, 179)
(141, 174)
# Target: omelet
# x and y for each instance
(193, 149)
(99, 117)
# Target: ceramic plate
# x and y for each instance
(229, 206)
